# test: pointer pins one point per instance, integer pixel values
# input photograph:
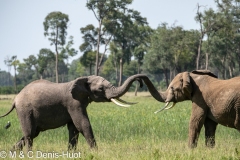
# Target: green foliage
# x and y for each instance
(55, 26)
(45, 57)
(88, 60)
(108, 68)
(76, 70)
(130, 69)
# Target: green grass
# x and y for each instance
(130, 133)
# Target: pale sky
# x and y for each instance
(21, 21)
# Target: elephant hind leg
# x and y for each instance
(29, 128)
(21, 143)
(210, 130)
(73, 136)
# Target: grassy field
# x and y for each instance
(129, 133)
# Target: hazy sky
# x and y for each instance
(21, 28)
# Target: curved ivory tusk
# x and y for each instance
(119, 104)
(171, 106)
(120, 100)
(162, 108)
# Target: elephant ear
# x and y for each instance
(187, 86)
(79, 87)
(204, 72)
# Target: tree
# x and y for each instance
(88, 59)
(101, 10)
(67, 51)
(76, 70)
(30, 62)
(172, 49)
(45, 58)
(205, 27)
(15, 63)
(55, 27)
(159, 57)
(123, 27)
(8, 62)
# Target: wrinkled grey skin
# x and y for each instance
(214, 102)
(44, 105)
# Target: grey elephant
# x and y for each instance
(214, 102)
(43, 105)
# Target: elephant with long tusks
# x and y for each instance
(43, 105)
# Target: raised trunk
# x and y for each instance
(121, 90)
(159, 96)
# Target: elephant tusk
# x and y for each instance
(170, 106)
(162, 108)
(119, 104)
(120, 100)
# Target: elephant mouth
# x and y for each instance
(122, 103)
(166, 107)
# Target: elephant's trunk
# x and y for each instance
(117, 92)
(159, 96)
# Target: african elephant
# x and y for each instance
(43, 105)
(214, 102)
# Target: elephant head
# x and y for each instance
(98, 89)
(180, 89)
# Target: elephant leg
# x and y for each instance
(210, 129)
(82, 123)
(73, 136)
(196, 122)
(237, 120)
(28, 127)
(21, 143)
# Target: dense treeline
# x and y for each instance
(133, 47)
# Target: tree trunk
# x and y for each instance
(90, 69)
(206, 61)
(98, 46)
(120, 72)
(199, 52)
(56, 67)
(138, 73)
(15, 80)
(166, 77)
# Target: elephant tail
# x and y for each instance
(13, 106)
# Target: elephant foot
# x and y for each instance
(192, 145)
(210, 142)
(18, 146)
(71, 147)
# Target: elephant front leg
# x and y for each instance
(196, 122)
(73, 136)
(88, 132)
(210, 129)
(82, 124)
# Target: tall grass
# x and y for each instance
(130, 133)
